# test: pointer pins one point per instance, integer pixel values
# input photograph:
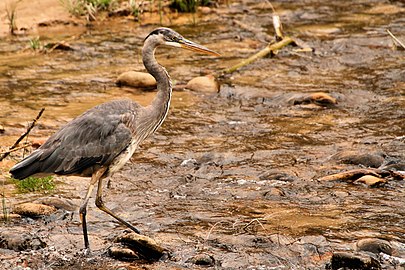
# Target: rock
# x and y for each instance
(33, 209)
(374, 245)
(202, 259)
(371, 181)
(146, 247)
(319, 98)
(20, 241)
(58, 203)
(394, 167)
(360, 261)
(123, 254)
(273, 192)
(373, 160)
(206, 84)
(277, 175)
(136, 79)
(205, 10)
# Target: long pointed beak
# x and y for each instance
(189, 45)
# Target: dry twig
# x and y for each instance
(251, 222)
(211, 229)
(5, 154)
(16, 149)
(395, 39)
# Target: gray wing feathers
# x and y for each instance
(94, 138)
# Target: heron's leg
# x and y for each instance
(83, 207)
(101, 206)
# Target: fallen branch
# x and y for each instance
(16, 148)
(395, 39)
(264, 52)
(211, 229)
(251, 222)
(282, 41)
(355, 174)
(4, 155)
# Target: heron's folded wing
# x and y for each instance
(94, 138)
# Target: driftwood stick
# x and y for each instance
(4, 155)
(395, 39)
(282, 41)
(355, 174)
(16, 148)
(268, 49)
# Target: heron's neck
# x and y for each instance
(160, 105)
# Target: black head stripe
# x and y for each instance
(169, 34)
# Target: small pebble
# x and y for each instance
(273, 192)
(202, 259)
(124, 254)
(319, 98)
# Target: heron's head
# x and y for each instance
(169, 37)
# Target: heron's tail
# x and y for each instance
(27, 167)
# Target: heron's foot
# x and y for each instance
(136, 230)
(86, 252)
(132, 229)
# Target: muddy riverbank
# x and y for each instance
(232, 177)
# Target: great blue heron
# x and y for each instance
(101, 140)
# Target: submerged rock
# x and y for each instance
(136, 79)
(374, 245)
(278, 175)
(360, 261)
(33, 209)
(207, 84)
(373, 160)
(202, 259)
(20, 241)
(319, 98)
(273, 192)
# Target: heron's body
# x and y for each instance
(101, 140)
(98, 137)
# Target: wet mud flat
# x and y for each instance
(235, 179)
